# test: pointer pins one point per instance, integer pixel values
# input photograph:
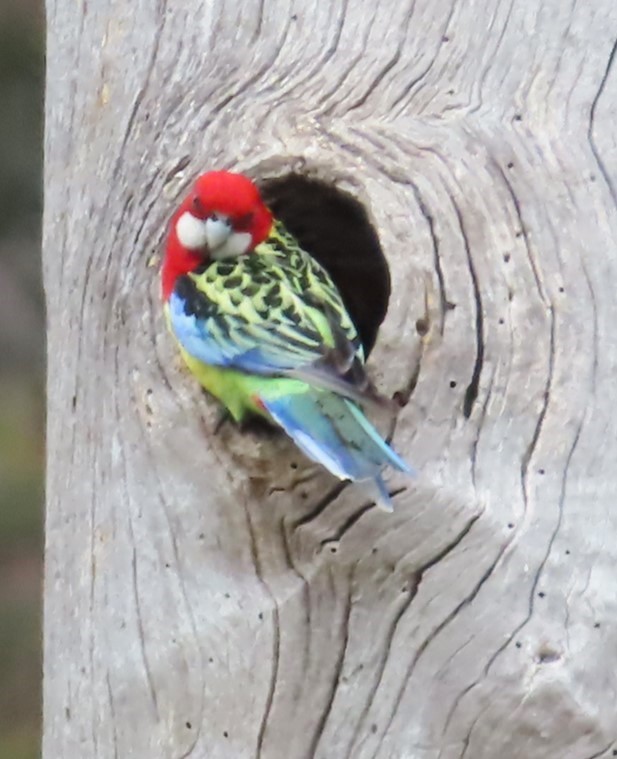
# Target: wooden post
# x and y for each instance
(203, 598)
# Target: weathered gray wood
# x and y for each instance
(203, 598)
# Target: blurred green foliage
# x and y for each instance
(22, 327)
(21, 146)
(20, 660)
(21, 466)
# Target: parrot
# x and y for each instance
(262, 327)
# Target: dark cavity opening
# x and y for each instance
(334, 228)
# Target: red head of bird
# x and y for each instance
(222, 217)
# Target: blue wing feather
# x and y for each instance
(266, 349)
(190, 333)
(200, 340)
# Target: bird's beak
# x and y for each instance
(217, 231)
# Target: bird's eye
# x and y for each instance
(243, 223)
(198, 206)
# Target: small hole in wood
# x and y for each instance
(373, 728)
(518, 644)
(541, 471)
(225, 734)
(422, 327)
(561, 290)
(294, 465)
(335, 229)
(510, 525)
(597, 625)
(261, 615)
(189, 726)
(445, 39)
(506, 257)
(501, 321)
(453, 383)
(510, 165)
(541, 594)
(518, 117)
(548, 656)
(331, 545)
(567, 551)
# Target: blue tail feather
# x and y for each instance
(383, 499)
(392, 457)
(334, 432)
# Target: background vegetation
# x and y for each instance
(22, 361)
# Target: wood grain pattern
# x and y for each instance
(203, 597)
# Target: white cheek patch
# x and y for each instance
(191, 231)
(236, 244)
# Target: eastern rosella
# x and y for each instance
(263, 328)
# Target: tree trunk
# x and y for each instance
(216, 595)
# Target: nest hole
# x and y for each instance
(547, 655)
(334, 228)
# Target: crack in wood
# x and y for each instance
(532, 595)
(443, 297)
(112, 712)
(481, 420)
(467, 738)
(399, 611)
(522, 231)
(391, 63)
(141, 94)
(418, 577)
(606, 748)
(321, 505)
(527, 456)
(401, 102)
(355, 517)
(471, 393)
(276, 632)
(606, 174)
(343, 636)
